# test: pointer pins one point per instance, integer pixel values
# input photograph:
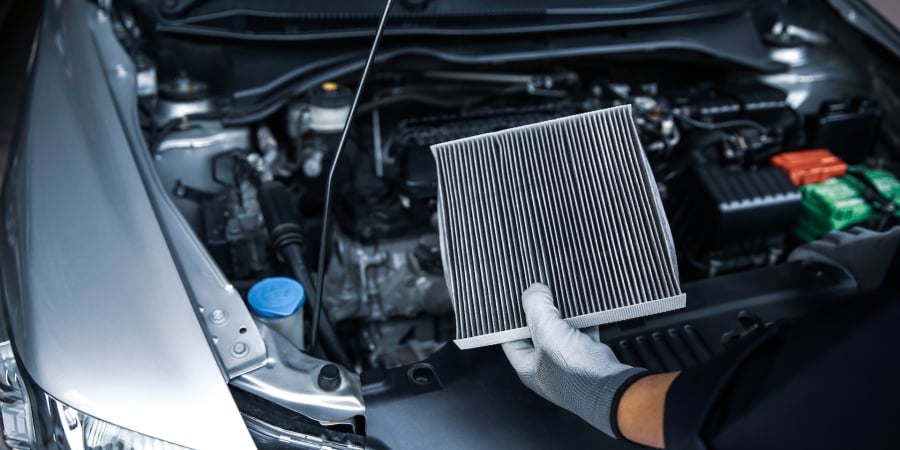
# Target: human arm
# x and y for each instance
(641, 409)
(581, 374)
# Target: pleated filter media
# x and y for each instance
(571, 203)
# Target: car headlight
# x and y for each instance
(15, 407)
(61, 426)
(82, 431)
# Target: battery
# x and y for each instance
(841, 202)
(810, 166)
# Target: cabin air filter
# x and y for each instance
(571, 203)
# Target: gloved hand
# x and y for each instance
(865, 254)
(565, 366)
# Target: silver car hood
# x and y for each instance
(98, 312)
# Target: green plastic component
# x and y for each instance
(886, 183)
(839, 203)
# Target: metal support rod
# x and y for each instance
(326, 211)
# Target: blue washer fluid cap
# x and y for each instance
(276, 297)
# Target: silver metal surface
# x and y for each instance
(571, 203)
(379, 281)
(268, 146)
(814, 75)
(205, 136)
(289, 379)
(186, 157)
(236, 342)
(146, 81)
(167, 110)
(99, 312)
(789, 32)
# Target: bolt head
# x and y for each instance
(239, 349)
(218, 317)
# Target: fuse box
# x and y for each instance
(810, 166)
(841, 202)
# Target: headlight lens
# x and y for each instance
(15, 409)
(66, 426)
(82, 431)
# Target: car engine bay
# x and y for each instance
(751, 160)
(710, 148)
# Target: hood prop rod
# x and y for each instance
(329, 187)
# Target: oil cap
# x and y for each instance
(276, 297)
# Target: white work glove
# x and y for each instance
(566, 366)
(865, 254)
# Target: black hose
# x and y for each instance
(713, 126)
(328, 338)
(283, 222)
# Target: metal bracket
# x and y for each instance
(290, 378)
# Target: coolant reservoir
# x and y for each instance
(278, 302)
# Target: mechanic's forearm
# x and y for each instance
(640, 413)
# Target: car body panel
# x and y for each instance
(99, 315)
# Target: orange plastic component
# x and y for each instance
(810, 166)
